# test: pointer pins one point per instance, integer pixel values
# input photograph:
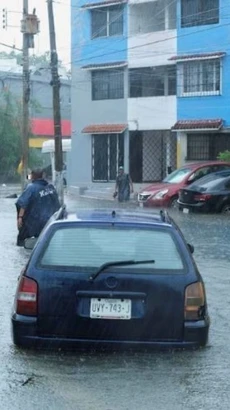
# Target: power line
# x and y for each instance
(156, 15)
(121, 39)
(149, 43)
(9, 46)
(125, 37)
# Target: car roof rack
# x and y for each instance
(165, 216)
(61, 213)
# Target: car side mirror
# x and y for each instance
(190, 247)
(30, 243)
(191, 179)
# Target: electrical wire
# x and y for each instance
(156, 15)
(199, 30)
(130, 48)
(148, 34)
(146, 44)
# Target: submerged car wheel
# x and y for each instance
(226, 209)
(173, 203)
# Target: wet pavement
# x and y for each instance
(196, 380)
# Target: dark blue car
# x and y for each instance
(111, 279)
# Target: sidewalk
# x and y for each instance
(94, 191)
(101, 191)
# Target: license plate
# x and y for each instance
(110, 308)
(186, 210)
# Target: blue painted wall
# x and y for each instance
(204, 39)
(99, 50)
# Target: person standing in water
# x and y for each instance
(124, 186)
(37, 203)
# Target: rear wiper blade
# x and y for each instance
(118, 263)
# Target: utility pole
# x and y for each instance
(56, 105)
(29, 27)
(25, 100)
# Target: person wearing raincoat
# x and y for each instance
(37, 203)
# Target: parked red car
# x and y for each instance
(165, 193)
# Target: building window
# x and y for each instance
(199, 12)
(199, 78)
(107, 84)
(152, 16)
(107, 21)
(206, 146)
(198, 147)
(152, 81)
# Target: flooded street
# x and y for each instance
(196, 380)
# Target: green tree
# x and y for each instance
(10, 136)
(224, 156)
(5, 54)
(34, 59)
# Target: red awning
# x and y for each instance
(45, 127)
(104, 129)
(197, 125)
(201, 56)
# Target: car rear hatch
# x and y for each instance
(112, 281)
(189, 197)
(115, 306)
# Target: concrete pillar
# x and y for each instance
(168, 152)
(126, 151)
(181, 148)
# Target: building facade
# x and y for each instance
(123, 89)
(203, 86)
(41, 100)
(150, 86)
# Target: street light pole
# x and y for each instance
(56, 105)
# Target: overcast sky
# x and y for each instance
(62, 23)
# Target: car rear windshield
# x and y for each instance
(177, 176)
(87, 248)
(209, 182)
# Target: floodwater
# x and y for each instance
(196, 380)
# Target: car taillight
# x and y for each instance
(194, 301)
(202, 197)
(26, 297)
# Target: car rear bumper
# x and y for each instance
(200, 207)
(24, 334)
